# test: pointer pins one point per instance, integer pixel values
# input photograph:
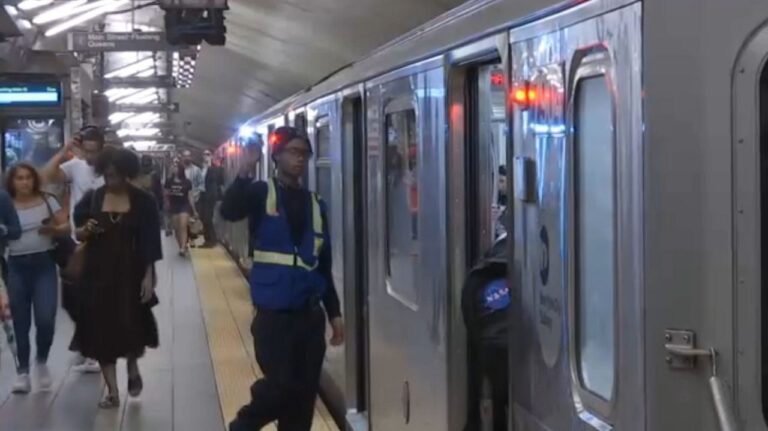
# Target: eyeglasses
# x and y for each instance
(298, 152)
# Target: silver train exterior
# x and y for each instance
(634, 136)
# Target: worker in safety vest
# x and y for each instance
(290, 279)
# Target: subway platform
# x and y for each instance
(195, 381)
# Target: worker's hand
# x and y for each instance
(337, 324)
(147, 287)
(251, 159)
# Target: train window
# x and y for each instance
(323, 163)
(595, 235)
(402, 195)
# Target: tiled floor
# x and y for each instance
(188, 387)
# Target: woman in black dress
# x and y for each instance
(121, 228)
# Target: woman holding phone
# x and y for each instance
(32, 278)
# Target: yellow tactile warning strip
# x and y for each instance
(228, 312)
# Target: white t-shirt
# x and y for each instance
(31, 220)
(82, 179)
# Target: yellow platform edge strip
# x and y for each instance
(227, 312)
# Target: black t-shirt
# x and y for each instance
(178, 191)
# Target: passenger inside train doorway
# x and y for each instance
(485, 304)
(290, 282)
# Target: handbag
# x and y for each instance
(64, 245)
(196, 227)
(73, 270)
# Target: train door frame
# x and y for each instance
(409, 384)
(550, 59)
(355, 245)
(462, 162)
(750, 182)
(324, 114)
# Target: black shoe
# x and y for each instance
(135, 385)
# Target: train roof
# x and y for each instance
(471, 21)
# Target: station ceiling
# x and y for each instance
(278, 47)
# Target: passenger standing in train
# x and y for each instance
(290, 278)
(121, 228)
(499, 208)
(32, 281)
(79, 173)
(180, 205)
(211, 193)
(10, 228)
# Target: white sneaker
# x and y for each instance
(43, 376)
(89, 366)
(22, 385)
(78, 360)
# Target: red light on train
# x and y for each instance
(231, 149)
(523, 95)
(272, 139)
(497, 79)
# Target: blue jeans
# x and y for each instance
(33, 284)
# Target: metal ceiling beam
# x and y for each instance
(164, 81)
(154, 107)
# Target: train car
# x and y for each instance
(635, 138)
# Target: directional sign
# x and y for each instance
(128, 41)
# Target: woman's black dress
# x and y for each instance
(114, 323)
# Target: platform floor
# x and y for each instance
(195, 381)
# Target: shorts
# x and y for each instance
(184, 208)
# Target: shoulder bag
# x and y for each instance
(64, 245)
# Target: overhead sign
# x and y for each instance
(19, 94)
(126, 41)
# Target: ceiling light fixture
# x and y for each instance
(62, 11)
(109, 6)
(12, 11)
(132, 68)
(33, 4)
(137, 95)
(145, 132)
(24, 23)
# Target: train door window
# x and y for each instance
(595, 235)
(402, 201)
(486, 158)
(300, 122)
(323, 171)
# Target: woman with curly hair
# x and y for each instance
(120, 226)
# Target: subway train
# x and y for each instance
(634, 135)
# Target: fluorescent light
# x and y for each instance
(132, 69)
(107, 6)
(136, 100)
(140, 145)
(147, 72)
(62, 11)
(24, 23)
(120, 116)
(144, 118)
(137, 95)
(117, 93)
(12, 11)
(33, 4)
(145, 132)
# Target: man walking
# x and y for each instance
(79, 173)
(290, 278)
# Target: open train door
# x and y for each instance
(576, 355)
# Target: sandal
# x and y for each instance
(109, 402)
(135, 385)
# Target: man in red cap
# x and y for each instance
(290, 279)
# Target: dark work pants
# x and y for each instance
(206, 206)
(289, 349)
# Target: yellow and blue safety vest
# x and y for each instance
(284, 276)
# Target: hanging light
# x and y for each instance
(12, 11)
